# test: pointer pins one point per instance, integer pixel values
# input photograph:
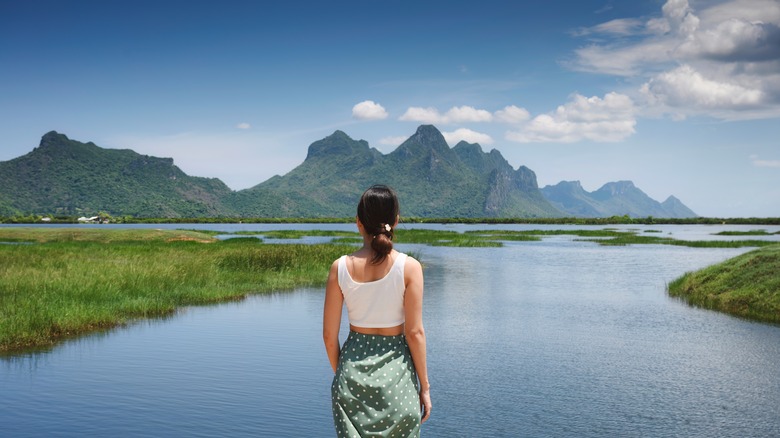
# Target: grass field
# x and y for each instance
(70, 281)
(747, 285)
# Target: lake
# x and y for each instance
(549, 338)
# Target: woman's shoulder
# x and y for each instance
(335, 265)
(411, 264)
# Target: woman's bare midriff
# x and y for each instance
(381, 331)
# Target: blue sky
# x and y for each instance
(681, 96)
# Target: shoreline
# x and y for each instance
(746, 286)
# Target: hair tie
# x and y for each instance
(383, 229)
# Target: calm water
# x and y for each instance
(550, 338)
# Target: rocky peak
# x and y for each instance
(675, 208)
(427, 138)
(616, 188)
(429, 135)
(672, 200)
(526, 179)
(52, 139)
(564, 188)
(336, 144)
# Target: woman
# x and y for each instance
(376, 390)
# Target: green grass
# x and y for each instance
(74, 281)
(583, 233)
(494, 238)
(443, 238)
(97, 235)
(298, 234)
(612, 237)
(633, 239)
(747, 286)
(745, 233)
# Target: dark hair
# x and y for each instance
(378, 211)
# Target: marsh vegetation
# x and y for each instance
(747, 285)
(60, 282)
(71, 281)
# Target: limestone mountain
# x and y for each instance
(432, 179)
(612, 199)
(675, 208)
(64, 176)
(67, 177)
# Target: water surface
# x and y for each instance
(550, 338)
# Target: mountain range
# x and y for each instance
(66, 177)
(612, 199)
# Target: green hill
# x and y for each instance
(63, 176)
(432, 179)
(66, 177)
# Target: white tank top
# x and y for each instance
(378, 303)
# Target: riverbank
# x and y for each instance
(747, 286)
(59, 283)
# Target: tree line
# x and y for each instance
(104, 217)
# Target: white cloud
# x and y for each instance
(512, 114)
(468, 136)
(754, 159)
(458, 114)
(244, 125)
(467, 114)
(715, 61)
(369, 110)
(609, 119)
(680, 17)
(622, 61)
(685, 87)
(422, 115)
(620, 26)
(464, 114)
(392, 141)
(735, 40)
(767, 11)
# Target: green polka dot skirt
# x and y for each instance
(375, 390)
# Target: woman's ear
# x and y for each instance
(397, 218)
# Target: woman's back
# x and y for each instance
(363, 271)
(374, 297)
(381, 378)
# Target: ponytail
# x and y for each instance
(378, 212)
(382, 243)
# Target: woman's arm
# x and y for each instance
(331, 318)
(414, 330)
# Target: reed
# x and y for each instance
(443, 238)
(745, 233)
(747, 286)
(633, 239)
(73, 281)
(298, 234)
(580, 232)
